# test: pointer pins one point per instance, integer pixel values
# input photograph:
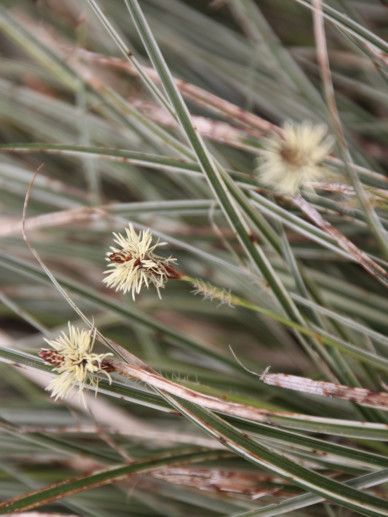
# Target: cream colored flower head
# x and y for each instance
(72, 358)
(294, 158)
(134, 263)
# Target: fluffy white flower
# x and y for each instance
(72, 357)
(294, 158)
(134, 263)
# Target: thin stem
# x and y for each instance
(315, 332)
(358, 255)
(323, 59)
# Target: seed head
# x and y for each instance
(134, 263)
(211, 292)
(72, 357)
(294, 158)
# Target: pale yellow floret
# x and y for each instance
(79, 367)
(294, 159)
(141, 267)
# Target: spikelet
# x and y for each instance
(211, 292)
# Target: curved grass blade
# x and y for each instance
(305, 500)
(223, 187)
(143, 397)
(280, 465)
(324, 337)
(105, 477)
(127, 311)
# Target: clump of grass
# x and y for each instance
(248, 139)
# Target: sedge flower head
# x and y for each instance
(294, 158)
(72, 357)
(133, 263)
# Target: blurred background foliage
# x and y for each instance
(60, 90)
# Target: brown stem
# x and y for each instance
(361, 396)
(357, 255)
(147, 375)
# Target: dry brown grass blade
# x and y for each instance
(207, 127)
(194, 93)
(147, 375)
(324, 65)
(358, 255)
(361, 396)
(216, 480)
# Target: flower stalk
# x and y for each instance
(359, 256)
